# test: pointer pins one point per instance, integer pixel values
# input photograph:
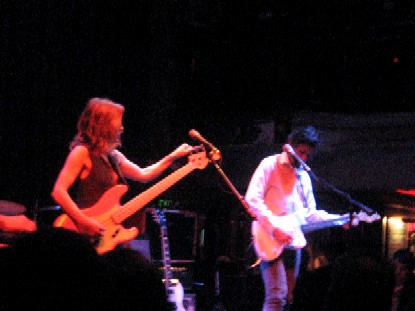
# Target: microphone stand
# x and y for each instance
(290, 150)
(232, 187)
(351, 201)
(214, 160)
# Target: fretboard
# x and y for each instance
(166, 260)
(312, 226)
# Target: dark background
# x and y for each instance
(216, 66)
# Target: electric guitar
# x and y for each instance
(267, 247)
(174, 288)
(111, 214)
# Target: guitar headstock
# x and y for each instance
(362, 216)
(158, 216)
(198, 158)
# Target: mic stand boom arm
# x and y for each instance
(289, 149)
(234, 190)
(352, 202)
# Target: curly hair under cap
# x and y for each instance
(94, 126)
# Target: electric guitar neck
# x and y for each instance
(174, 289)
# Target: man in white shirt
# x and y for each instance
(280, 195)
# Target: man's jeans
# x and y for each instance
(279, 277)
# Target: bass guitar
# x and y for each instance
(111, 214)
(174, 288)
(267, 247)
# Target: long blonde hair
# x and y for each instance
(95, 128)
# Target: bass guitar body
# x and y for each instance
(108, 205)
(111, 214)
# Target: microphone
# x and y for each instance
(290, 150)
(214, 153)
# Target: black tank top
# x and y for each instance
(101, 178)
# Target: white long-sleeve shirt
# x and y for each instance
(278, 189)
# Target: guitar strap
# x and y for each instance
(300, 189)
(138, 219)
(114, 164)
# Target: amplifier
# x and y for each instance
(182, 272)
(182, 234)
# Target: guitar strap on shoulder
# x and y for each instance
(114, 164)
(300, 189)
